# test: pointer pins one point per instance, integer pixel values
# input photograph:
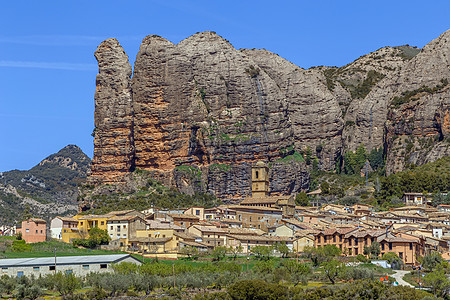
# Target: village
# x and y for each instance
(413, 230)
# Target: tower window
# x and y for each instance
(256, 174)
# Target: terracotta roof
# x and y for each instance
(246, 207)
(123, 218)
(364, 233)
(195, 244)
(159, 225)
(37, 220)
(398, 240)
(259, 238)
(185, 236)
(149, 239)
(68, 219)
(90, 217)
(184, 216)
(331, 231)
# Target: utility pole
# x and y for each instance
(55, 260)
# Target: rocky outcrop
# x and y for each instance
(113, 133)
(198, 114)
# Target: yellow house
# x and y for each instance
(85, 223)
(302, 241)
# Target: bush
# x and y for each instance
(257, 289)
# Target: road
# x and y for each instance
(398, 275)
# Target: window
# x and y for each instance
(334, 239)
(4, 269)
(81, 223)
(318, 239)
(124, 226)
(103, 266)
(390, 246)
(102, 222)
(197, 212)
(118, 228)
(19, 273)
(350, 242)
(410, 246)
(85, 267)
(400, 255)
(356, 241)
(27, 230)
(51, 268)
(36, 231)
(256, 174)
(41, 230)
(356, 251)
(35, 268)
(382, 246)
(350, 251)
(68, 271)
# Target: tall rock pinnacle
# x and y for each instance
(113, 133)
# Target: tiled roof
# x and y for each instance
(68, 219)
(184, 216)
(246, 207)
(91, 217)
(37, 220)
(259, 238)
(149, 239)
(123, 218)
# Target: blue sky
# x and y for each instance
(48, 69)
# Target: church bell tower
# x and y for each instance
(260, 180)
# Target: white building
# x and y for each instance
(78, 265)
(58, 223)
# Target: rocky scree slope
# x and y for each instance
(198, 114)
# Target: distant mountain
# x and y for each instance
(48, 189)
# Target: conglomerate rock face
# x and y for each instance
(113, 133)
(198, 114)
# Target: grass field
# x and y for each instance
(47, 249)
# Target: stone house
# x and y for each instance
(124, 227)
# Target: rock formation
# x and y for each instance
(113, 133)
(197, 114)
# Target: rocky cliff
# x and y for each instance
(197, 114)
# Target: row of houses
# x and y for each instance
(260, 220)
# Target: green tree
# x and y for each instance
(302, 199)
(430, 261)
(332, 269)
(392, 258)
(282, 248)
(235, 251)
(99, 236)
(219, 253)
(373, 251)
(438, 282)
(298, 272)
(262, 252)
(257, 290)
(190, 251)
(325, 187)
(66, 283)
